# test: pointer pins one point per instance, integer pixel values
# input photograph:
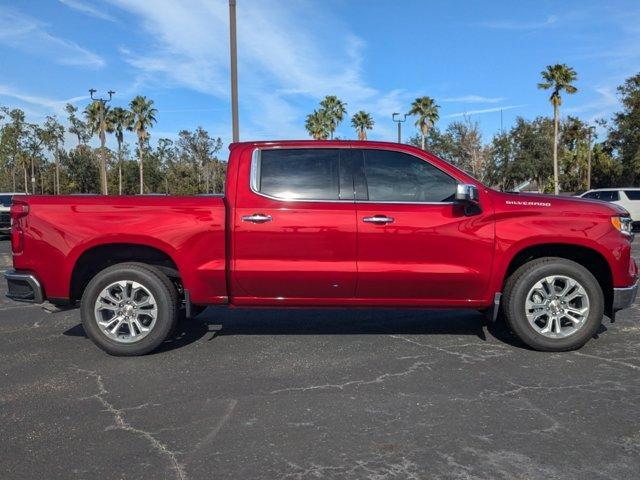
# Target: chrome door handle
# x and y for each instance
(380, 219)
(257, 218)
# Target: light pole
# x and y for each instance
(399, 122)
(590, 132)
(103, 139)
(234, 70)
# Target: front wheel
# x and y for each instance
(129, 309)
(553, 304)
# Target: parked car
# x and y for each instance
(628, 198)
(326, 224)
(5, 217)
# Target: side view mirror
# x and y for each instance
(467, 193)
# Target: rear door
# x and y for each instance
(294, 234)
(415, 244)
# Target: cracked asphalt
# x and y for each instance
(316, 394)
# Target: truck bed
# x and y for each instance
(190, 230)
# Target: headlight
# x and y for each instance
(622, 224)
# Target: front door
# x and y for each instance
(416, 245)
(294, 237)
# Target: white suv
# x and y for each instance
(628, 198)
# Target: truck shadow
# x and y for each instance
(218, 322)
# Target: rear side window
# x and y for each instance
(632, 194)
(304, 174)
(609, 195)
(400, 177)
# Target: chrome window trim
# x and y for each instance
(255, 172)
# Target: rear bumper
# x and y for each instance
(23, 287)
(624, 297)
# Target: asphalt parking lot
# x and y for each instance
(335, 394)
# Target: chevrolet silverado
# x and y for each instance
(326, 224)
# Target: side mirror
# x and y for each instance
(467, 193)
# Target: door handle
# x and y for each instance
(257, 218)
(379, 219)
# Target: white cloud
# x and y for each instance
(29, 35)
(481, 111)
(282, 63)
(45, 105)
(550, 21)
(88, 9)
(473, 99)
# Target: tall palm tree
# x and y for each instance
(119, 120)
(96, 114)
(143, 117)
(335, 110)
(558, 77)
(362, 122)
(318, 125)
(426, 110)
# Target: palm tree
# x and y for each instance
(558, 77)
(143, 117)
(362, 122)
(426, 110)
(119, 120)
(335, 110)
(96, 114)
(318, 125)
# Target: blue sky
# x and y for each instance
(473, 57)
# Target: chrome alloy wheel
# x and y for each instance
(126, 311)
(557, 306)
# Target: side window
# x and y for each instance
(609, 196)
(633, 194)
(304, 174)
(400, 177)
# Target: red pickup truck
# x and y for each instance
(326, 224)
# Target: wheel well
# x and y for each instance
(587, 257)
(98, 258)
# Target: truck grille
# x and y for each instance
(5, 219)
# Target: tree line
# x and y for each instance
(35, 159)
(556, 154)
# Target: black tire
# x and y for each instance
(158, 285)
(524, 278)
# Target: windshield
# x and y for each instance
(5, 200)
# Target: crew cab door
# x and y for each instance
(416, 245)
(294, 232)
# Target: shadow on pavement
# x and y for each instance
(222, 321)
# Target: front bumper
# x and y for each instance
(23, 287)
(624, 297)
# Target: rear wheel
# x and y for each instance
(553, 304)
(129, 309)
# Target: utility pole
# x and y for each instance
(399, 122)
(103, 154)
(234, 70)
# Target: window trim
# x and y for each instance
(254, 177)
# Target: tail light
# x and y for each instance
(18, 210)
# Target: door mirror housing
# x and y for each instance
(468, 193)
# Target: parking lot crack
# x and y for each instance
(609, 360)
(341, 386)
(120, 423)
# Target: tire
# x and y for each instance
(140, 283)
(523, 285)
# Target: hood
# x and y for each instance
(539, 201)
